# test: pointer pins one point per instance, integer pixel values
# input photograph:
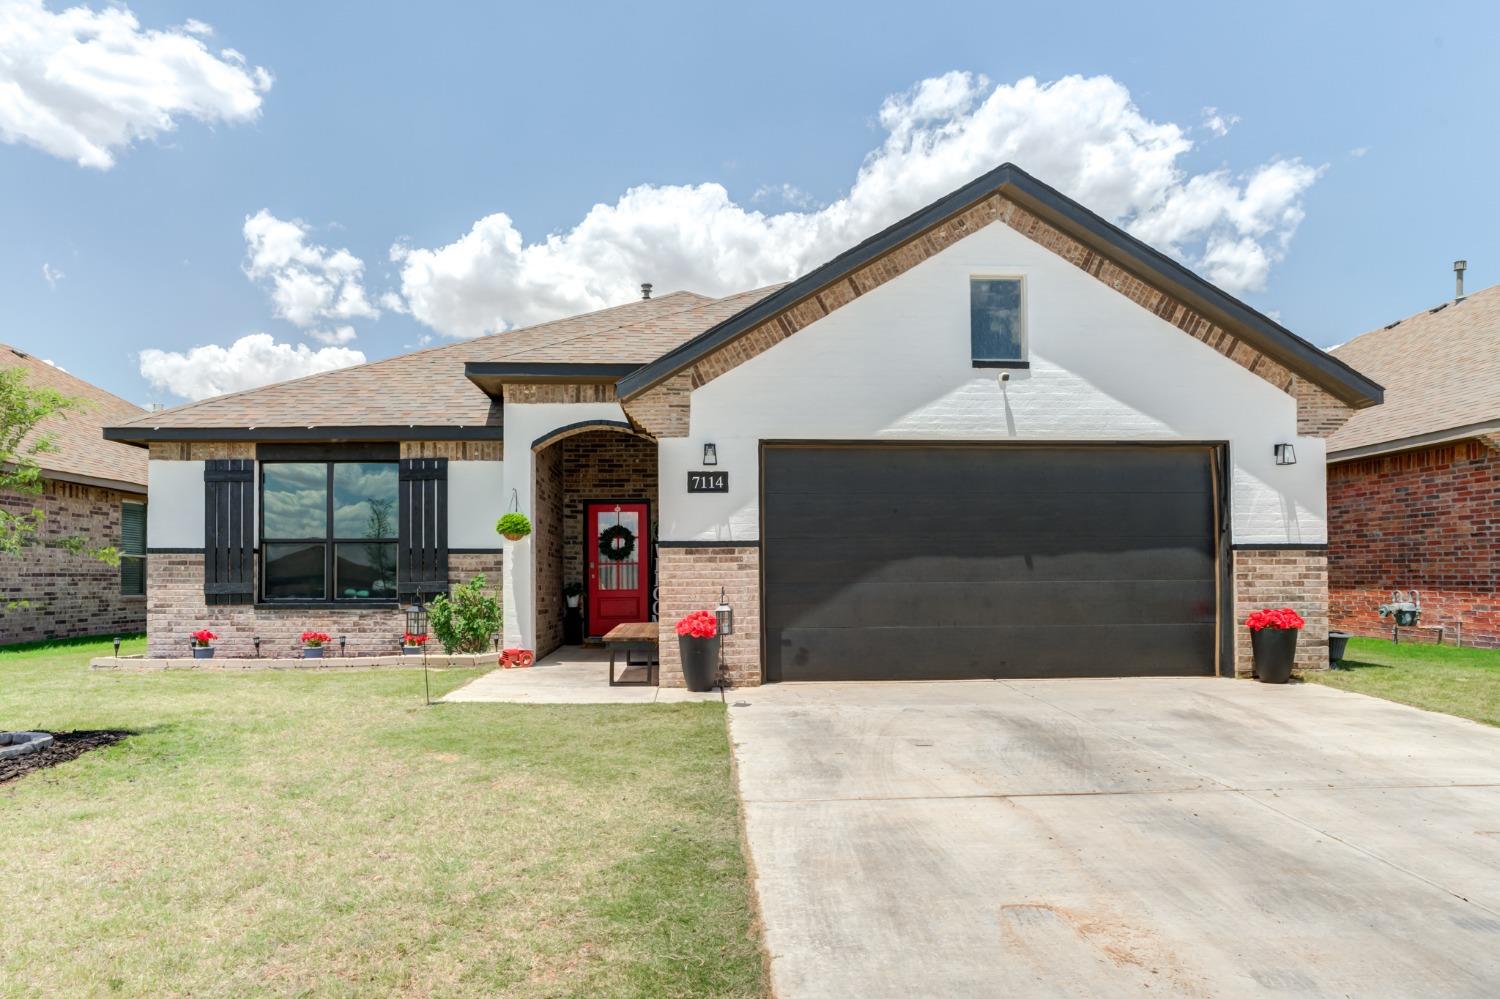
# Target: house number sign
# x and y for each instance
(708, 482)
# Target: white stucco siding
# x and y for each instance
(525, 423)
(895, 364)
(474, 503)
(174, 508)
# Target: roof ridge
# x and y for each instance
(1417, 316)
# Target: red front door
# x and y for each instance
(617, 545)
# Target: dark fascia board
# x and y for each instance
(1272, 339)
(142, 435)
(492, 376)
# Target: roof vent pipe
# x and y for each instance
(1459, 266)
(646, 289)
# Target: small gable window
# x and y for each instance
(997, 322)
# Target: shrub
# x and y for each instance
(514, 525)
(464, 621)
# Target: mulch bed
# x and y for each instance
(65, 746)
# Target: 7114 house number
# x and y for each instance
(708, 482)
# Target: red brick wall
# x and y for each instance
(690, 579)
(547, 548)
(599, 464)
(1281, 577)
(69, 595)
(1427, 520)
(175, 610)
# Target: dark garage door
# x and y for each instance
(889, 562)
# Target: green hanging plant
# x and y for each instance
(514, 526)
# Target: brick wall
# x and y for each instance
(69, 595)
(690, 579)
(1427, 520)
(175, 609)
(602, 464)
(547, 548)
(1295, 578)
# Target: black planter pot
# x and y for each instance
(700, 661)
(1338, 644)
(1274, 650)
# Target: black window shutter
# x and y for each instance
(422, 564)
(228, 531)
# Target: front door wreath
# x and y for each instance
(616, 543)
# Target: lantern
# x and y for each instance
(416, 619)
(724, 615)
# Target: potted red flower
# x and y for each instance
(698, 640)
(411, 645)
(312, 644)
(1273, 642)
(201, 648)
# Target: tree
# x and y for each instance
(23, 408)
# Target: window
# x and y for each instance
(133, 549)
(328, 530)
(997, 325)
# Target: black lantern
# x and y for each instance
(416, 619)
(256, 640)
(724, 614)
(117, 648)
(1285, 454)
(343, 640)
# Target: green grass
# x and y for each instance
(1463, 682)
(326, 834)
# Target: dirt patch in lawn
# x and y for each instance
(65, 746)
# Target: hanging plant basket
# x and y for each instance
(514, 526)
(617, 543)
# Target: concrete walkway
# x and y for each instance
(1118, 837)
(571, 675)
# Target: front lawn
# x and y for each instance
(1463, 682)
(326, 834)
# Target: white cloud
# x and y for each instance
(51, 274)
(1084, 136)
(252, 360)
(308, 283)
(335, 337)
(1217, 123)
(1359, 151)
(83, 84)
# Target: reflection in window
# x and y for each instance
(295, 500)
(995, 319)
(329, 530)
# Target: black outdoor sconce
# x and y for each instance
(1285, 454)
(710, 454)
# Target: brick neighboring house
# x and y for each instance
(999, 438)
(94, 489)
(1414, 485)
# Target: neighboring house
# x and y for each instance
(93, 489)
(1414, 485)
(999, 438)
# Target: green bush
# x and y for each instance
(464, 621)
(517, 524)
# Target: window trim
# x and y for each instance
(330, 541)
(140, 555)
(1023, 309)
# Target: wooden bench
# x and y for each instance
(628, 638)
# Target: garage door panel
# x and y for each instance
(992, 652)
(873, 604)
(894, 561)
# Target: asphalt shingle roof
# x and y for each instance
(428, 387)
(1440, 369)
(81, 451)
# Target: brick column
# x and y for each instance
(1282, 577)
(689, 579)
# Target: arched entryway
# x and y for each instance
(596, 488)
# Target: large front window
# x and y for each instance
(328, 530)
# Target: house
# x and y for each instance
(92, 489)
(1414, 485)
(1000, 438)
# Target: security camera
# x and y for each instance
(1004, 377)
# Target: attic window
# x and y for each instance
(997, 322)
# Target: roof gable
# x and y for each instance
(1011, 196)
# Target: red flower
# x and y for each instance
(203, 637)
(410, 639)
(1285, 619)
(699, 624)
(314, 638)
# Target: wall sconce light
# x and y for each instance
(1285, 454)
(710, 454)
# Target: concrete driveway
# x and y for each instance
(1118, 837)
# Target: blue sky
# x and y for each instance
(1348, 162)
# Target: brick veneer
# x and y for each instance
(1427, 520)
(175, 609)
(547, 547)
(690, 579)
(1281, 577)
(69, 595)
